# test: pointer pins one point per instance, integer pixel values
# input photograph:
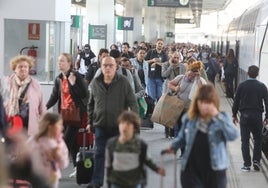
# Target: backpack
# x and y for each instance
(86, 59)
(142, 157)
(124, 71)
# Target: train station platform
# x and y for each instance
(156, 142)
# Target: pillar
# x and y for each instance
(150, 31)
(134, 9)
(101, 12)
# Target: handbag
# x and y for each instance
(71, 116)
(168, 110)
(16, 125)
(24, 108)
(142, 107)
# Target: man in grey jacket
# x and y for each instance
(110, 94)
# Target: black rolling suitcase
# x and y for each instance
(84, 162)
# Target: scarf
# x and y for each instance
(16, 87)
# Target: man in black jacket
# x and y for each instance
(249, 99)
(111, 93)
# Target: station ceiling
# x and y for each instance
(194, 11)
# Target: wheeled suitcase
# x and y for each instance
(89, 136)
(84, 161)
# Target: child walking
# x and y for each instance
(126, 155)
(50, 153)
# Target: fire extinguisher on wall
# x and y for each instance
(33, 53)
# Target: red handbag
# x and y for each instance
(16, 125)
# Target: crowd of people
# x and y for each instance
(105, 89)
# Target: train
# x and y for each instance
(247, 36)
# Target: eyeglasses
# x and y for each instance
(108, 65)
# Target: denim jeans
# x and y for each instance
(117, 186)
(101, 138)
(155, 87)
(251, 122)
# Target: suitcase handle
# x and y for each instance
(84, 131)
(175, 169)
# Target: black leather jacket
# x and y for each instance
(78, 92)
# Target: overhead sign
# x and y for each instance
(183, 21)
(75, 21)
(97, 32)
(170, 34)
(34, 31)
(125, 23)
(168, 3)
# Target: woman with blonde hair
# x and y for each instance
(205, 131)
(22, 95)
(69, 92)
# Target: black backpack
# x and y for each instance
(124, 71)
(150, 103)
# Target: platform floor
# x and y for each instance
(157, 141)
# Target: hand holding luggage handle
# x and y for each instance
(175, 169)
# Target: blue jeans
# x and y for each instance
(251, 122)
(155, 87)
(101, 138)
(117, 186)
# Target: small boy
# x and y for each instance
(126, 155)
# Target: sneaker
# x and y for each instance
(73, 174)
(256, 166)
(245, 168)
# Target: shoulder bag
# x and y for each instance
(168, 110)
(24, 107)
(71, 116)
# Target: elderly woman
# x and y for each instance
(185, 86)
(69, 91)
(22, 94)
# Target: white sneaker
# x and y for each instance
(73, 174)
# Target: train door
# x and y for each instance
(237, 78)
(227, 47)
(263, 76)
(221, 48)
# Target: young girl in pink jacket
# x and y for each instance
(49, 152)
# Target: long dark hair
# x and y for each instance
(230, 56)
